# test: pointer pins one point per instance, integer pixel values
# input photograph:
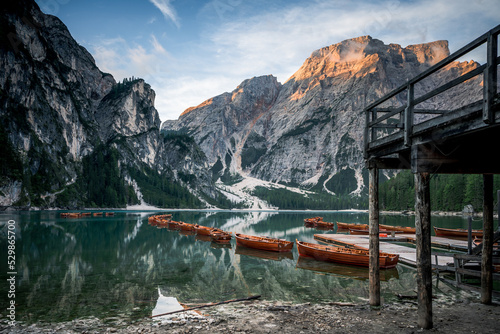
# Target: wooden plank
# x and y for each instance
(450, 84)
(490, 79)
(389, 114)
(374, 267)
(467, 257)
(423, 239)
(408, 116)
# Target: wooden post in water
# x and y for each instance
(423, 243)
(374, 272)
(487, 256)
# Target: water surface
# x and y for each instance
(120, 266)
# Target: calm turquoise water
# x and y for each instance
(119, 266)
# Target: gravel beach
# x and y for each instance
(270, 317)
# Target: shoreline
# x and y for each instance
(148, 208)
(272, 317)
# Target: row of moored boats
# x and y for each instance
(330, 253)
(217, 235)
(85, 214)
(354, 228)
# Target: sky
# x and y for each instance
(192, 50)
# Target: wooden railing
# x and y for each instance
(377, 118)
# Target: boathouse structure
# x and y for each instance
(411, 128)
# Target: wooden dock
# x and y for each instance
(407, 255)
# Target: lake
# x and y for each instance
(122, 267)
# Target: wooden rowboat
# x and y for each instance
(71, 215)
(324, 225)
(405, 229)
(456, 232)
(202, 230)
(356, 257)
(185, 226)
(366, 232)
(346, 226)
(220, 236)
(264, 243)
(313, 220)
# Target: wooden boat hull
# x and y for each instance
(325, 225)
(219, 236)
(263, 243)
(346, 226)
(203, 230)
(404, 229)
(71, 215)
(313, 220)
(356, 257)
(366, 232)
(185, 226)
(456, 233)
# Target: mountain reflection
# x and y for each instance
(120, 266)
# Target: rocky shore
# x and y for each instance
(268, 317)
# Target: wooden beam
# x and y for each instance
(467, 156)
(423, 243)
(490, 78)
(487, 255)
(374, 247)
(402, 161)
(408, 116)
(467, 76)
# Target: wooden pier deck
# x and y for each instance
(407, 255)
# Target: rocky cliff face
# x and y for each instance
(57, 107)
(308, 132)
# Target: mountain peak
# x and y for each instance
(352, 55)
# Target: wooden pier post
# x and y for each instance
(374, 271)
(423, 243)
(487, 255)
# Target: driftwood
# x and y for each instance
(207, 305)
(341, 304)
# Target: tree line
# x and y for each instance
(449, 192)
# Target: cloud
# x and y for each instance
(276, 40)
(158, 48)
(167, 10)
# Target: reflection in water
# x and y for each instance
(343, 270)
(276, 256)
(111, 267)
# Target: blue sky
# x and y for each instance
(191, 50)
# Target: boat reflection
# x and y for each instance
(200, 237)
(187, 232)
(277, 256)
(218, 245)
(360, 273)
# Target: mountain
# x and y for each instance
(72, 136)
(308, 132)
